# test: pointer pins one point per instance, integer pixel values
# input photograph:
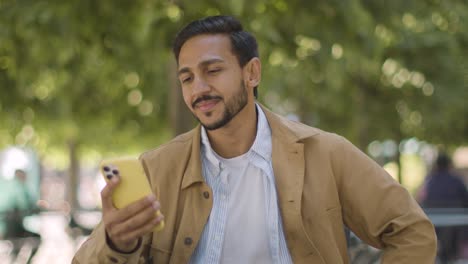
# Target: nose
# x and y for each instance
(200, 86)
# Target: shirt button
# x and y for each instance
(188, 241)
(206, 195)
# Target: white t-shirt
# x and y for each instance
(246, 234)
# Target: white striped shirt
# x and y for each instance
(244, 200)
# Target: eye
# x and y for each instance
(214, 71)
(186, 79)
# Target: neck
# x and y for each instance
(236, 137)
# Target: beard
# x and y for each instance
(232, 108)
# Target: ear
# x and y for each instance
(252, 73)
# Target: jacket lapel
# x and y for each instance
(195, 205)
(289, 170)
(288, 166)
(193, 174)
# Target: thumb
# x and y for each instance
(107, 191)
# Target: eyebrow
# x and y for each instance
(201, 64)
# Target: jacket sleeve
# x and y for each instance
(379, 210)
(95, 250)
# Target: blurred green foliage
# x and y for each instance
(99, 73)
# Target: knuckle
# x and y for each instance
(104, 191)
(143, 231)
(118, 239)
(156, 205)
(135, 208)
(125, 238)
(149, 218)
(112, 234)
(107, 223)
(128, 226)
(114, 230)
(108, 220)
(128, 210)
(149, 213)
(120, 235)
(148, 229)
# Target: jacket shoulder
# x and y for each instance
(306, 132)
(171, 148)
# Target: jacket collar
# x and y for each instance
(282, 130)
(194, 172)
(287, 130)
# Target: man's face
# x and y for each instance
(212, 80)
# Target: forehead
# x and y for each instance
(205, 47)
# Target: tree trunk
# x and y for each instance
(362, 118)
(181, 119)
(73, 175)
(398, 158)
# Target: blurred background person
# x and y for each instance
(21, 207)
(445, 189)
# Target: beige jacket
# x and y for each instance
(323, 183)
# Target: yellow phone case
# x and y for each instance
(133, 184)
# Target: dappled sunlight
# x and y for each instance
(81, 81)
(135, 97)
(337, 51)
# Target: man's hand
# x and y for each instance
(126, 225)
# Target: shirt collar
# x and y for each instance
(207, 151)
(261, 146)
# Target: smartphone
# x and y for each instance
(133, 184)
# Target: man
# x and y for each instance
(22, 206)
(249, 186)
(445, 189)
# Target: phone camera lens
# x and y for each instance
(105, 168)
(115, 172)
(109, 176)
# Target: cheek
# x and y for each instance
(187, 98)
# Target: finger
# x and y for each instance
(135, 222)
(138, 206)
(160, 225)
(151, 207)
(107, 191)
(141, 231)
(123, 214)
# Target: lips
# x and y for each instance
(206, 105)
(206, 102)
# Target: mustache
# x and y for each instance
(205, 98)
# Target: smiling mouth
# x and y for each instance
(206, 106)
(206, 102)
